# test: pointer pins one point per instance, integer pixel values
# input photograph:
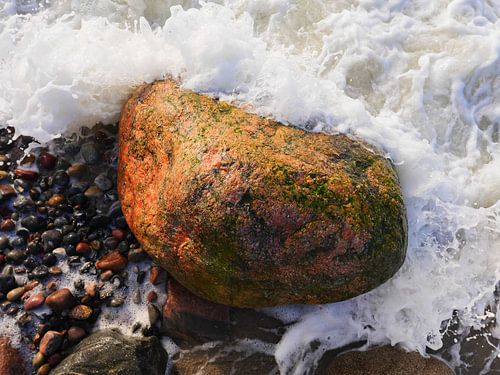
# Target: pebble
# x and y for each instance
(55, 270)
(83, 248)
(80, 312)
(116, 302)
(25, 174)
(32, 223)
(4, 242)
(60, 252)
(77, 170)
(91, 289)
(47, 160)
(22, 203)
(40, 272)
(60, 300)
(7, 191)
(7, 225)
(93, 192)
(136, 297)
(113, 261)
(61, 178)
(153, 314)
(76, 334)
(7, 283)
(34, 301)
(51, 238)
(15, 294)
(90, 153)
(118, 234)
(16, 256)
(50, 343)
(49, 260)
(44, 369)
(155, 275)
(105, 276)
(152, 296)
(38, 360)
(55, 200)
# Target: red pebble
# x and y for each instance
(46, 160)
(83, 248)
(34, 301)
(25, 174)
(118, 234)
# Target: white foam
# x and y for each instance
(419, 79)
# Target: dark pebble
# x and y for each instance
(18, 241)
(60, 222)
(61, 178)
(16, 256)
(4, 242)
(22, 202)
(49, 260)
(7, 225)
(47, 160)
(34, 193)
(98, 221)
(33, 223)
(7, 283)
(30, 263)
(40, 272)
(90, 153)
(71, 238)
(51, 238)
(34, 247)
(103, 182)
(7, 191)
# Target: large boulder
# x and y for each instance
(247, 212)
(110, 352)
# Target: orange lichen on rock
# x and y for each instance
(245, 211)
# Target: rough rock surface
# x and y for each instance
(11, 362)
(110, 352)
(247, 212)
(384, 360)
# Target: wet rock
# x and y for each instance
(61, 178)
(60, 300)
(76, 334)
(55, 200)
(80, 312)
(51, 342)
(103, 182)
(51, 238)
(7, 283)
(7, 225)
(25, 174)
(7, 191)
(34, 301)
(113, 261)
(11, 361)
(78, 170)
(90, 153)
(47, 160)
(110, 352)
(16, 256)
(382, 361)
(15, 294)
(32, 223)
(250, 213)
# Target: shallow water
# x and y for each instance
(420, 79)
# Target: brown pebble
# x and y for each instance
(55, 270)
(105, 276)
(75, 334)
(34, 301)
(51, 342)
(15, 294)
(51, 285)
(60, 300)
(113, 261)
(80, 312)
(38, 360)
(7, 191)
(7, 225)
(77, 170)
(118, 234)
(152, 296)
(91, 289)
(3, 174)
(44, 370)
(83, 248)
(156, 275)
(25, 174)
(55, 200)
(28, 159)
(93, 192)
(46, 160)
(31, 285)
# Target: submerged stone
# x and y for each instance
(247, 212)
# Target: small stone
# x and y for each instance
(51, 238)
(7, 191)
(55, 200)
(60, 252)
(136, 255)
(4, 242)
(7, 225)
(3, 174)
(116, 302)
(34, 301)
(80, 312)
(60, 300)
(28, 159)
(153, 314)
(38, 360)
(118, 234)
(49, 260)
(156, 275)
(152, 296)
(32, 223)
(98, 221)
(93, 192)
(61, 178)
(40, 272)
(15, 294)
(90, 153)
(113, 261)
(83, 248)
(31, 285)
(103, 182)
(55, 270)
(22, 203)
(78, 170)
(25, 174)
(50, 343)
(16, 256)
(44, 369)
(76, 334)
(7, 283)
(47, 160)
(105, 276)
(136, 297)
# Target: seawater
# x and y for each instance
(419, 79)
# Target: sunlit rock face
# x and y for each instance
(247, 212)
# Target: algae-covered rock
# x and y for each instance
(247, 212)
